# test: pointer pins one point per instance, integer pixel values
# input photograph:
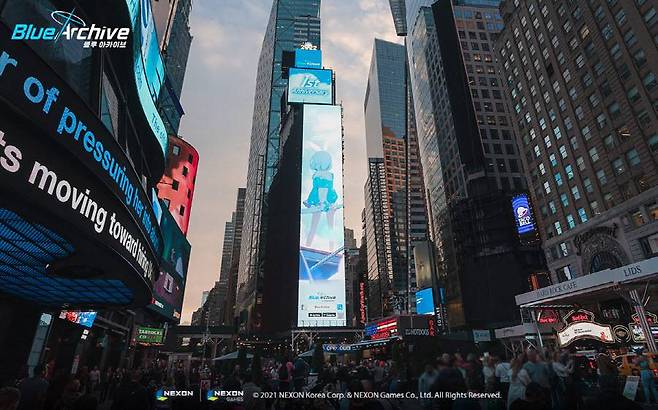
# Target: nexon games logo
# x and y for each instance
(227, 395)
(73, 27)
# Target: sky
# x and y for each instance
(218, 100)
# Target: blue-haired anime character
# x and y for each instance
(323, 197)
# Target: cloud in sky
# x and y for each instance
(218, 99)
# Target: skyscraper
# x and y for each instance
(227, 248)
(582, 79)
(232, 278)
(470, 164)
(390, 155)
(291, 24)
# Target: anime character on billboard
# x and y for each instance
(322, 198)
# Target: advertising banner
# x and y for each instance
(423, 264)
(425, 302)
(585, 330)
(149, 335)
(175, 246)
(525, 222)
(308, 58)
(321, 299)
(85, 319)
(310, 86)
(148, 66)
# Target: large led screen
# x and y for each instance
(175, 247)
(321, 250)
(308, 58)
(310, 86)
(425, 302)
(525, 223)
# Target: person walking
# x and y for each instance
(425, 382)
(519, 379)
(33, 390)
(648, 383)
(502, 376)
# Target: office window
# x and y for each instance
(594, 205)
(552, 207)
(586, 133)
(542, 168)
(558, 227)
(580, 163)
(649, 81)
(593, 154)
(563, 151)
(553, 160)
(564, 199)
(600, 174)
(558, 179)
(547, 187)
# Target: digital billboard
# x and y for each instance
(308, 58)
(149, 335)
(425, 302)
(423, 264)
(321, 299)
(85, 319)
(525, 222)
(148, 66)
(310, 86)
(175, 247)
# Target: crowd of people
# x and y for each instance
(534, 379)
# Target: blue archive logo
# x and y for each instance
(69, 26)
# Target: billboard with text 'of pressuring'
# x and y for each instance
(321, 299)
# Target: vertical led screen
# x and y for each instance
(522, 214)
(425, 302)
(321, 250)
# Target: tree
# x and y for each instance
(317, 362)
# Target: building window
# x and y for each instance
(552, 207)
(571, 223)
(593, 154)
(564, 249)
(547, 187)
(653, 143)
(633, 157)
(558, 179)
(564, 273)
(601, 121)
(553, 160)
(587, 183)
(640, 57)
(558, 227)
(564, 199)
(600, 174)
(609, 141)
(174, 185)
(650, 245)
(580, 163)
(594, 205)
(582, 214)
(185, 171)
(181, 210)
(175, 150)
(569, 171)
(575, 192)
(618, 166)
(649, 81)
(586, 133)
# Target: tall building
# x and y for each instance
(468, 155)
(291, 24)
(232, 277)
(175, 41)
(582, 81)
(227, 249)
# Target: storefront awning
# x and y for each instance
(592, 283)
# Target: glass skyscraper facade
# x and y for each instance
(291, 24)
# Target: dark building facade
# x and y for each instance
(582, 81)
(469, 159)
(291, 24)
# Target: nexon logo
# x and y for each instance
(163, 395)
(73, 27)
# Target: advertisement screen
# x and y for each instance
(423, 264)
(308, 58)
(425, 302)
(310, 86)
(321, 250)
(149, 335)
(175, 247)
(85, 319)
(525, 223)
